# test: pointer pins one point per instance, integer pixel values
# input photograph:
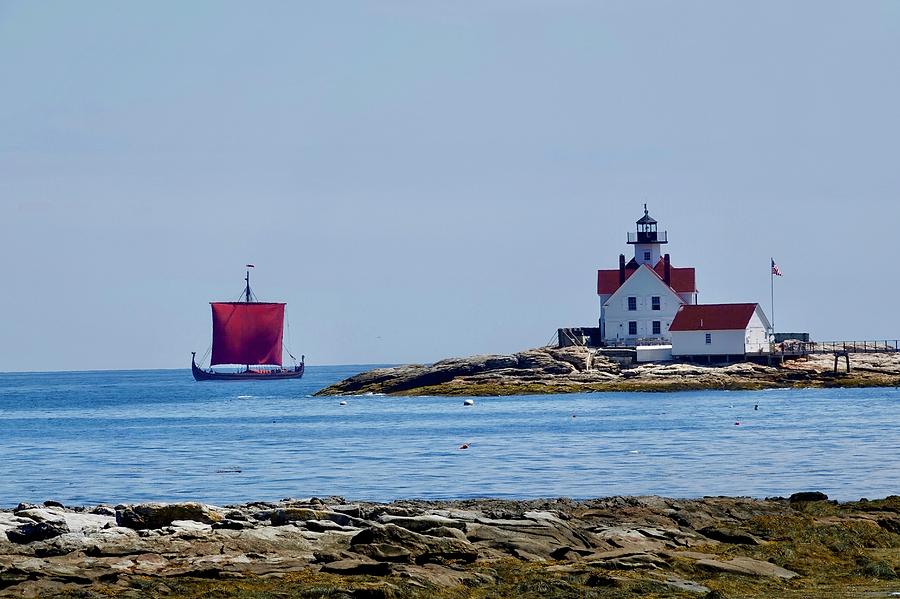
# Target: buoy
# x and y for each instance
(737, 423)
(343, 403)
(574, 416)
(756, 406)
(468, 402)
(464, 446)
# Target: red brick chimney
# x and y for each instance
(667, 270)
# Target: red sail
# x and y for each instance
(247, 333)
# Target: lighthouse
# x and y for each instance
(647, 240)
(639, 300)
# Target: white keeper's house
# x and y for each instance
(639, 300)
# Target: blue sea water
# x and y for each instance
(127, 436)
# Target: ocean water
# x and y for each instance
(128, 436)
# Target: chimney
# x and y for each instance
(667, 270)
(621, 268)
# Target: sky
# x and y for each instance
(420, 180)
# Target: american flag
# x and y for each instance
(775, 270)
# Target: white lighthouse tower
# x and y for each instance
(647, 241)
(639, 300)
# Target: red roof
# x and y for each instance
(713, 317)
(683, 279)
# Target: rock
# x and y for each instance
(421, 523)
(807, 496)
(358, 566)
(51, 503)
(541, 360)
(36, 531)
(680, 584)
(156, 515)
(890, 524)
(747, 566)
(729, 535)
(280, 517)
(431, 546)
(352, 510)
(230, 525)
(581, 358)
(580, 369)
(631, 562)
(421, 548)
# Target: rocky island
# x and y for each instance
(581, 369)
(716, 547)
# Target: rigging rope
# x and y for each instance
(205, 355)
(290, 343)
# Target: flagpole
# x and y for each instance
(772, 284)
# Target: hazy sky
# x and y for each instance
(426, 179)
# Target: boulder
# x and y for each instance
(421, 524)
(807, 496)
(157, 515)
(36, 531)
(540, 360)
(282, 516)
(421, 548)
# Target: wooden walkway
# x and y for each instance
(800, 348)
(840, 349)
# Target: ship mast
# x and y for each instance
(247, 292)
(247, 289)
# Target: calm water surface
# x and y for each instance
(88, 437)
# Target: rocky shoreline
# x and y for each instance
(639, 546)
(579, 369)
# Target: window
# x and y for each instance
(632, 304)
(657, 329)
(708, 338)
(654, 301)
(632, 327)
(646, 256)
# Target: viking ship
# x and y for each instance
(250, 333)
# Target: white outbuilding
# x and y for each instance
(721, 331)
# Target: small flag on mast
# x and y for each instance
(775, 270)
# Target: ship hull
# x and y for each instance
(248, 375)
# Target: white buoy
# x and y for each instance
(468, 402)
(343, 403)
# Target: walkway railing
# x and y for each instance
(827, 347)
